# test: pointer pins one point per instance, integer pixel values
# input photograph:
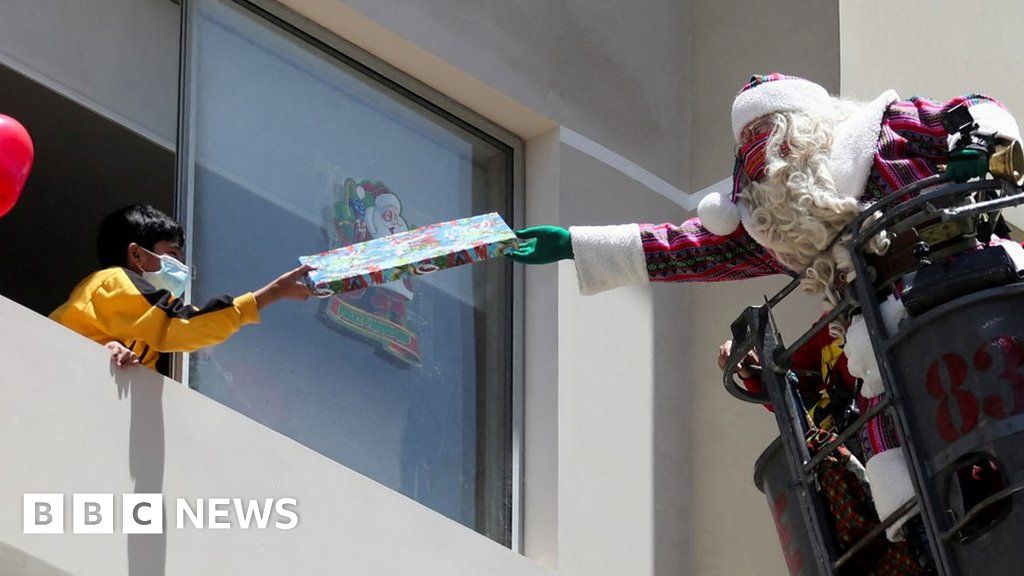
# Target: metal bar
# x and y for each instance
(845, 305)
(930, 506)
(908, 507)
(857, 222)
(845, 434)
(184, 173)
(981, 507)
(898, 213)
(518, 284)
(981, 435)
(786, 291)
(982, 207)
(789, 418)
(751, 322)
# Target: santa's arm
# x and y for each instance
(990, 115)
(611, 256)
(927, 137)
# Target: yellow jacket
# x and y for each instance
(118, 304)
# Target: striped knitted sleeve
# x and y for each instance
(917, 123)
(688, 252)
(611, 256)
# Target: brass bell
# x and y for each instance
(1007, 161)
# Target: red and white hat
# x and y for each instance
(774, 93)
(762, 95)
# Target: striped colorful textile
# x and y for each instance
(758, 79)
(689, 253)
(750, 163)
(879, 434)
(911, 143)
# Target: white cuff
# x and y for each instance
(891, 487)
(860, 354)
(860, 358)
(991, 117)
(608, 257)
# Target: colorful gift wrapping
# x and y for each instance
(413, 253)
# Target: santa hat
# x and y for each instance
(774, 93)
(387, 199)
(762, 95)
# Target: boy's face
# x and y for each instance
(149, 261)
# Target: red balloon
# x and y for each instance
(16, 154)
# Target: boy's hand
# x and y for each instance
(288, 286)
(121, 355)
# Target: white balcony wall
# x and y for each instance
(73, 424)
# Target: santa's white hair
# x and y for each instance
(795, 208)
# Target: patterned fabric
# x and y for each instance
(758, 79)
(690, 253)
(879, 434)
(750, 163)
(911, 143)
(848, 501)
(853, 515)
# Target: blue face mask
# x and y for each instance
(172, 276)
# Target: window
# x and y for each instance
(292, 147)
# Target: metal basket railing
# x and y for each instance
(756, 330)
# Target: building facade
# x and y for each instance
(486, 420)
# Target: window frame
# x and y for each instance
(420, 94)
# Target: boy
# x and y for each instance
(133, 305)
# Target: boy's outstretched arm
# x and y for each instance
(288, 286)
(128, 307)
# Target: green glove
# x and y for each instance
(966, 164)
(545, 244)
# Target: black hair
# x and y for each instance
(139, 223)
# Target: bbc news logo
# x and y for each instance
(144, 513)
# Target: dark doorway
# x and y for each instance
(86, 166)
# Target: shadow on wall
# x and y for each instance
(147, 553)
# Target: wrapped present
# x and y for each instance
(412, 253)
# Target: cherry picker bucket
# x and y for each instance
(772, 477)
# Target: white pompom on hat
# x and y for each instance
(765, 94)
(719, 214)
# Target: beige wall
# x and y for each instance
(116, 57)
(952, 48)
(733, 39)
(734, 532)
(624, 468)
(617, 71)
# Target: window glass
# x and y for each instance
(295, 151)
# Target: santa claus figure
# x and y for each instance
(807, 164)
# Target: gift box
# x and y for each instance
(412, 253)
